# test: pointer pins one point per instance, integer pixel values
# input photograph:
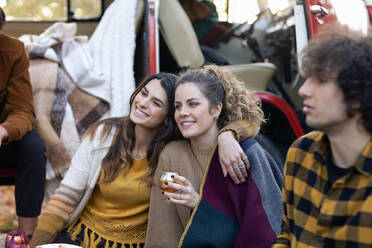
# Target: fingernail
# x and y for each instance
(166, 183)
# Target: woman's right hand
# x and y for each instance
(185, 194)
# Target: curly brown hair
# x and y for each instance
(344, 56)
(220, 85)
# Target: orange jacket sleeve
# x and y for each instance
(16, 103)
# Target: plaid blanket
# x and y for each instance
(63, 110)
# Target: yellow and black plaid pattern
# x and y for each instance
(315, 217)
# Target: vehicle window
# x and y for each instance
(51, 10)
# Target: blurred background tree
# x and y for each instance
(50, 10)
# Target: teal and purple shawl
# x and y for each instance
(230, 215)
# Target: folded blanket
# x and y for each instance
(64, 110)
(76, 81)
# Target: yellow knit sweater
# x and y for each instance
(118, 210)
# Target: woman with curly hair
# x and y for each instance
(205, 209)
(103, 200)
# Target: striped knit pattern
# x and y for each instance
(315, 216)
(75, 189)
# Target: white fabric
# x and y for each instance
(78, 63)
(80, 179)
(102, 66)
(112, 46)
(84, 171)
(75, 57)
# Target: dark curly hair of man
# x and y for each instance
(2, 18)
(346, 58)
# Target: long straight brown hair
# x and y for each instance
(120, 151)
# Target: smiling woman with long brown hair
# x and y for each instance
(103, 200)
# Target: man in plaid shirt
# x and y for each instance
(327, 191)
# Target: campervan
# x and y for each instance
(135, 38)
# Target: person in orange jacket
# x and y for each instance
(20, 145)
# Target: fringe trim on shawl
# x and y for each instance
(93, 239)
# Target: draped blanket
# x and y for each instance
(64, 108)
(77, 82)
(113, 45)
(229, 215)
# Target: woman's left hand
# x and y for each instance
(185, 194)
(232, 158)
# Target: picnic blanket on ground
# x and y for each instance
(230, 215)
(62, 79)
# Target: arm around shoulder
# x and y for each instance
(241, 129)
(230, 153)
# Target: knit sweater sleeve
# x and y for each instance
(167, 220)
(67, 197)
(160, 210)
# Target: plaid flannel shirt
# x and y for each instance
(313, 217)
